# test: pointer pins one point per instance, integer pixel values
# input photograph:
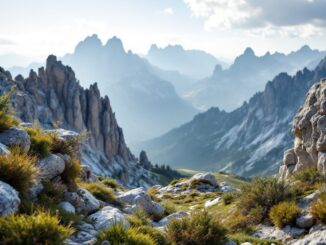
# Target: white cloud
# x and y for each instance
(303, 18)
(168, 11)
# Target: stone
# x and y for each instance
(246, 243)
(150, 207)
(213, 202)
(83, 200)
(178, 215)
(108, 216)
(51, 166)
(130, 196)
(316, 236)
(16, 137)
(35, 190)
(85, 234)
(305, 221)
(206, 177)
(4, 151)
(143, 160)
(289, 157)
(68, 207)
(9, 199)
(87, 174)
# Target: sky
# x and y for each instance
(224, 28)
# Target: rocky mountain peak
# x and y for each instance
(115, 44)
(89, 43)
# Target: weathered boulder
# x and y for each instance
(51, 166)
(108, 216)
(178, 215)
(316, 236)
(83, 200)
(9, 199)
(305, 221)
(130, 196)
(85, 235)
(16, 137)
(309, 127)
(208, 178)
(68, 207)
(149, 206)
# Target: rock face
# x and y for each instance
(248, 141)
(54, 95)
(9, 200)
(16, 137)
(143, 160)
(309, 127)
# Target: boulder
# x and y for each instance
(68, 207)
(9, 199)
(316, 236)
(87, 174)
(150, 207)
(130, 196)
(213, 202)
(83, 200)
(178, 215)
(85, 235)
(51, 166)
(206, 178)
(108, 216)
(16, 137)
(305, 221)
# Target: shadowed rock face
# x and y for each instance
(54, 95)
(309, 127)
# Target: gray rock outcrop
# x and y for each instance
(9, 200)
(16, 137)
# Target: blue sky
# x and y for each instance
(224, 28)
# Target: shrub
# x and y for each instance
(117, 235)
(139, 218)
(18, 170)
(200, 228)
(111, 183)
(6, 120)
(238, 222)
(228, 197)
(41, 142)
(101, 192)
(158, 237)
(41, 228)
(284, 213)
(309, 176)
(71, 173)
(261, 194)
(318, 208)
(51, 194)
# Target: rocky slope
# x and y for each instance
(309, 127)
(246, 76)
(247, 141)
(54, 95)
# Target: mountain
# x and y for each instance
(54, 95)
(192, 63)
(146, 104)
(247, 141)
(246, 76)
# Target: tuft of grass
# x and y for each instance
(6, 119)
(51, 195)
(101, 192)
(318, 208)
(262, 194)
(139, 218)
(109, 182)
(309, 176)
(158, 237)
(71, 173)
(229, 197)
(199, 228)
(284, 213)
(41, 142)
(18, 170)
(40, 228)
(240, 238)
(117, 235)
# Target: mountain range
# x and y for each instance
(249, 140)
(247, 75)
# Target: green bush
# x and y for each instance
(318, 208)
(118, 235)
(309, 176)
(158, 237)
(41, 142)
(18, 170)
(6, 119)
(139, 218)
(284, 213)
(101, 192)
(41, 228)
(71, 173)
(237, 222)
(228, 197)
(262, 194)
(199, 228)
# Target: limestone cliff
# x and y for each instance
(53, 95)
